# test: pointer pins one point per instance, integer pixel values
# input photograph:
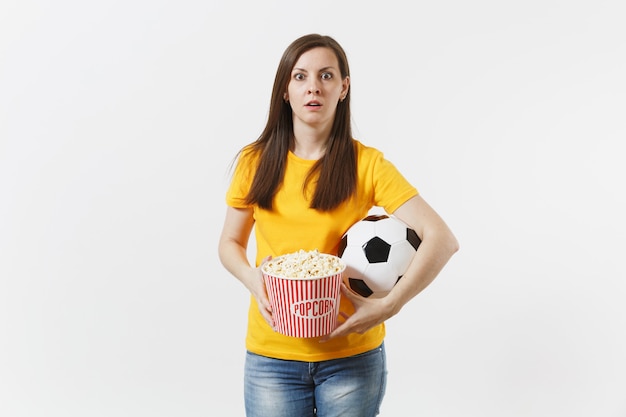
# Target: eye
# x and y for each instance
(327, 76)
(298, 76)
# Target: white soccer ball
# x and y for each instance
(377, 251)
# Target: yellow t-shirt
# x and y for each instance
(292, 226)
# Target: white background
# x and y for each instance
(118, 121)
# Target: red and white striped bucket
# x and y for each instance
(304, 307)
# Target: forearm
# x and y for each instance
(233, 243)
(437, 247)
(234, 258)
(431, 257)
(233, 255)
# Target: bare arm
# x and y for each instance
(437, 247)
(232, 251)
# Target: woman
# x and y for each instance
(302, 184)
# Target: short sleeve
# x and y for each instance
(241, 180)
(391, 188)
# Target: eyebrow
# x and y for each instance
(320, 70)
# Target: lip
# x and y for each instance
(313, 104)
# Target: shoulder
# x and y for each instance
(366, 153)
(247, 156)
(245, 163)
(366, 150)
(249, 152)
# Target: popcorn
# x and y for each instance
(303, 264)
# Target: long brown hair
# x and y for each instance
(337, 168)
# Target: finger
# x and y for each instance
(349, 293)
(335, 333)
(342, 317)
(341, 330)
(263, 301)
(269, 318)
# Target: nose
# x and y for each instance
(314, 88)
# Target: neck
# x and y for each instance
(309, 149)
(309, 142)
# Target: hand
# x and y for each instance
(368, 312)
(256, 286)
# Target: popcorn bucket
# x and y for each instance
(304, 307)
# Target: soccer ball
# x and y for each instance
(377, 251)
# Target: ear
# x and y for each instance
(345, 86)
(285, 97)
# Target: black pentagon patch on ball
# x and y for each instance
(376, 250)
(413, 238)
(343, 244)
(360, 287)
(375, 217)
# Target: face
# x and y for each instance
(315, 88)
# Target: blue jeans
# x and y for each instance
(346, 387)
